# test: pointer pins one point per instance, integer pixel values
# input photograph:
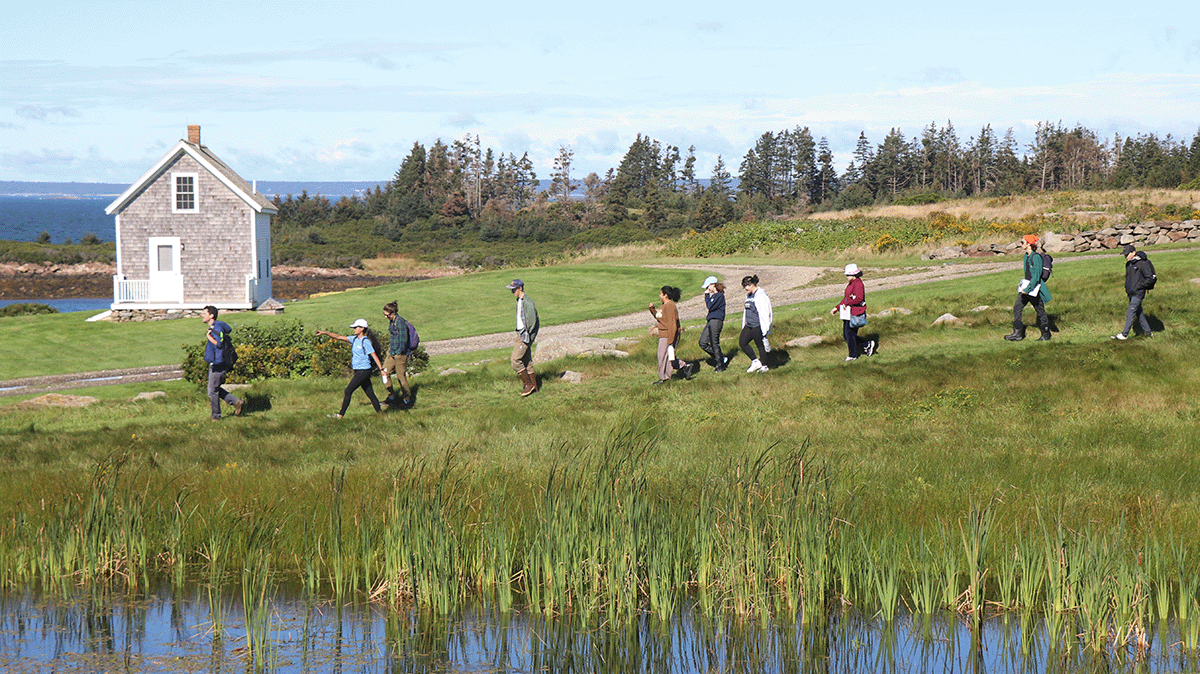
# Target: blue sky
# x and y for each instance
(337, 90)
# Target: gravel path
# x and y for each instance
(785, 285)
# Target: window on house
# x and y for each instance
(166, 258)
(185, 192)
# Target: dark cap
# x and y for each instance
(517, 283)
(1128, 248)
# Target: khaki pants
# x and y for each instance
(395, 367)
(522, 357)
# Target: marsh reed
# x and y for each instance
(774, 536)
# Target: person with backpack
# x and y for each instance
(362, 353)
(1139, 277)
(402, 341)
(218, 353)
(1032, 290)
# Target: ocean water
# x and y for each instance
(24, 218)
(90, 304)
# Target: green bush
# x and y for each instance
(26, 309)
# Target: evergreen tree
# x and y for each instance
(561, 184)
(827, 176)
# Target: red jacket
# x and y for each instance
(855, 297)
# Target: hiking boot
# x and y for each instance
(237, 408)
(1045, 336)
(1017, 334)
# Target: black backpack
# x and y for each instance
(1047, 266)
(1149, 276)
(228, 352)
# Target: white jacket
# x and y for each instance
(763, 304)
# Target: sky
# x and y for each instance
(298, 90)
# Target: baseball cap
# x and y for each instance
(360, 323)
(517, 283)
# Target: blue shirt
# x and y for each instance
(751, 311)
(360, 353)
(212, 352)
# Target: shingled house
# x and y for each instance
(190, 232)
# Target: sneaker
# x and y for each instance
(334, 416)
(1121, 336)
(755, 365)
(725, 361)
(660, 381)
(871, 348)
(850, 358)
(407, 402)
(763, 368)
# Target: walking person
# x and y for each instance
(666, 317)
(215, 354)
(527, 329)
(399, 349)
(362, 354)
(1139, 277)
(710, 337)
(756, 323)
(1031, 290)
(853, 311)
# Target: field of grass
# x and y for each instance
(951, 449)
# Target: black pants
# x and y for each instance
(751, 334)
(361, 379)
(1039, 306)
(854, 344)
(710, 339)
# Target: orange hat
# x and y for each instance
(1030, 239)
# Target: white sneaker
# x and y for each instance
(1121, 336)
(871, 348)
(850, 358)
(755, 366)
(763, 368)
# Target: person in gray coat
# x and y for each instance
(1139, 277)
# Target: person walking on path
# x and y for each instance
(1031, 290)
(756, 323)
(215, 354)
(1139, 277)
(396, 364)
(853, 311)
(362, 353)
(527, 329)
(710, 337)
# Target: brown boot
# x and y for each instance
(525, 381)
(530, 383)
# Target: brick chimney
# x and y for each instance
(194, 134)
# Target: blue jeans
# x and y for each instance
(1135, 312)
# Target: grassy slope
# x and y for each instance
(943, 417)
(460, 306)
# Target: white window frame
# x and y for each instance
(175, 193)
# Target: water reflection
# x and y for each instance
(175, 630)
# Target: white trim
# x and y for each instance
(175, 176)
(241, 306)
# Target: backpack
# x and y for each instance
(1149, 276)
(378, 350)
(228, 353)
(1047, 266)
(413, 338)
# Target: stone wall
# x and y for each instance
(1148, 233)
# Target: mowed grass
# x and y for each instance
(462, 306)
(1095, 431)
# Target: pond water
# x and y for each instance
(181, 631)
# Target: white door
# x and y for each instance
(166, 278)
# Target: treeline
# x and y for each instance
(481, 207)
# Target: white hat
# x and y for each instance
(360, 323)
(708, 281)
(852, 270)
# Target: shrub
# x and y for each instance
(26, 309)
(922, 199)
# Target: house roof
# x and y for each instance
(208, 160)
